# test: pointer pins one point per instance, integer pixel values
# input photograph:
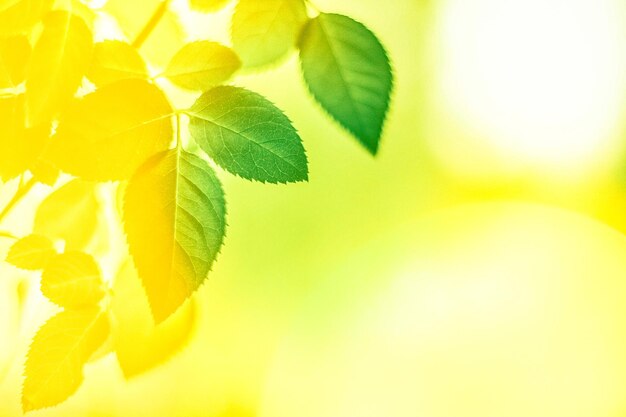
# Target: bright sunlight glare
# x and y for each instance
(541, 81)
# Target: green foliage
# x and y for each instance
(247, 135)
(348, 73)
(75, 114)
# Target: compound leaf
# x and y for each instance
(60, 349)
(69, 213)
(59, 61)
(201, 65)
(247, 135)
(207, 6)
(109, 133)
(347, 70)
(174, 218)
(73, 280)
(115, 60)
(141, 345)
(264, 31)
(31, 253)
(14, 56)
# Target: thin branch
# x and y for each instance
(21, 192)
(152, 24)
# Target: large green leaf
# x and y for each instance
(109, 133)
(265, 31)
(347, 70)
(175, 220)
(246, 134)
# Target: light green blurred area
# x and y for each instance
(284, 240)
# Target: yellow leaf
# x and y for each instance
(69, 213)
(59, 61)
(201, 65)
(139, 343)
(31, 253)
(60, 349)
(14, 56)
(108, 134)
(45, 172)
(265, 31)
(207, 5)
(116, 60)
(73, 280)
(19, 147)
(19, 16)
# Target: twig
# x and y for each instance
(152, 24)
(21, 192)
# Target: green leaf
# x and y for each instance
(60, 349)
(19, 16)
(114, 61)
(31, 253)
(109, 133)
(207, 6)
(69, 213)
(59, 61)
(139, 344)
(247, 135)
(201, 65)
(265, 31)
(73, 280)
(175, 220)
(14, 56)
(348, 72)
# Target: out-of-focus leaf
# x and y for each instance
(174, 218)
(201, 65)
(45, 172)
(14, 56)
(60, 349)
(108, 134)
(265, 31)
(69, 213)
(247, 135)
(59, 61)
(207, 6)
(116, 60)
(347, 70)
(167, 38)
(32, 252)
(73, 280)
(19, 16)
(141, 345)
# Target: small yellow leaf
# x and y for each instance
(45, 172)
(14, 56)
(201, 65)
(19, 16)
(207, 5)
(73, 280)
(59, 61)
(31, 253)
(60, 349)
(69, 213)
(108, 134)
(116, 60)
(141, 345)
(19, 147)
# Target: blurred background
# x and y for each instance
(475, 267)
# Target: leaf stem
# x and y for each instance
(21, 192)
(151, 24)
(178, 138)
(7, 235)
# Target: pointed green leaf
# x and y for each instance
(69, 213)
(207, 6)
(265, 31)
(175, 219)
(247, 135)
(109, 133)
(59, 61)
(14, 56)
(201, 65)
(73, 280)
(114, 61)
(60, 349)
(347, 70)
(31, 253)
